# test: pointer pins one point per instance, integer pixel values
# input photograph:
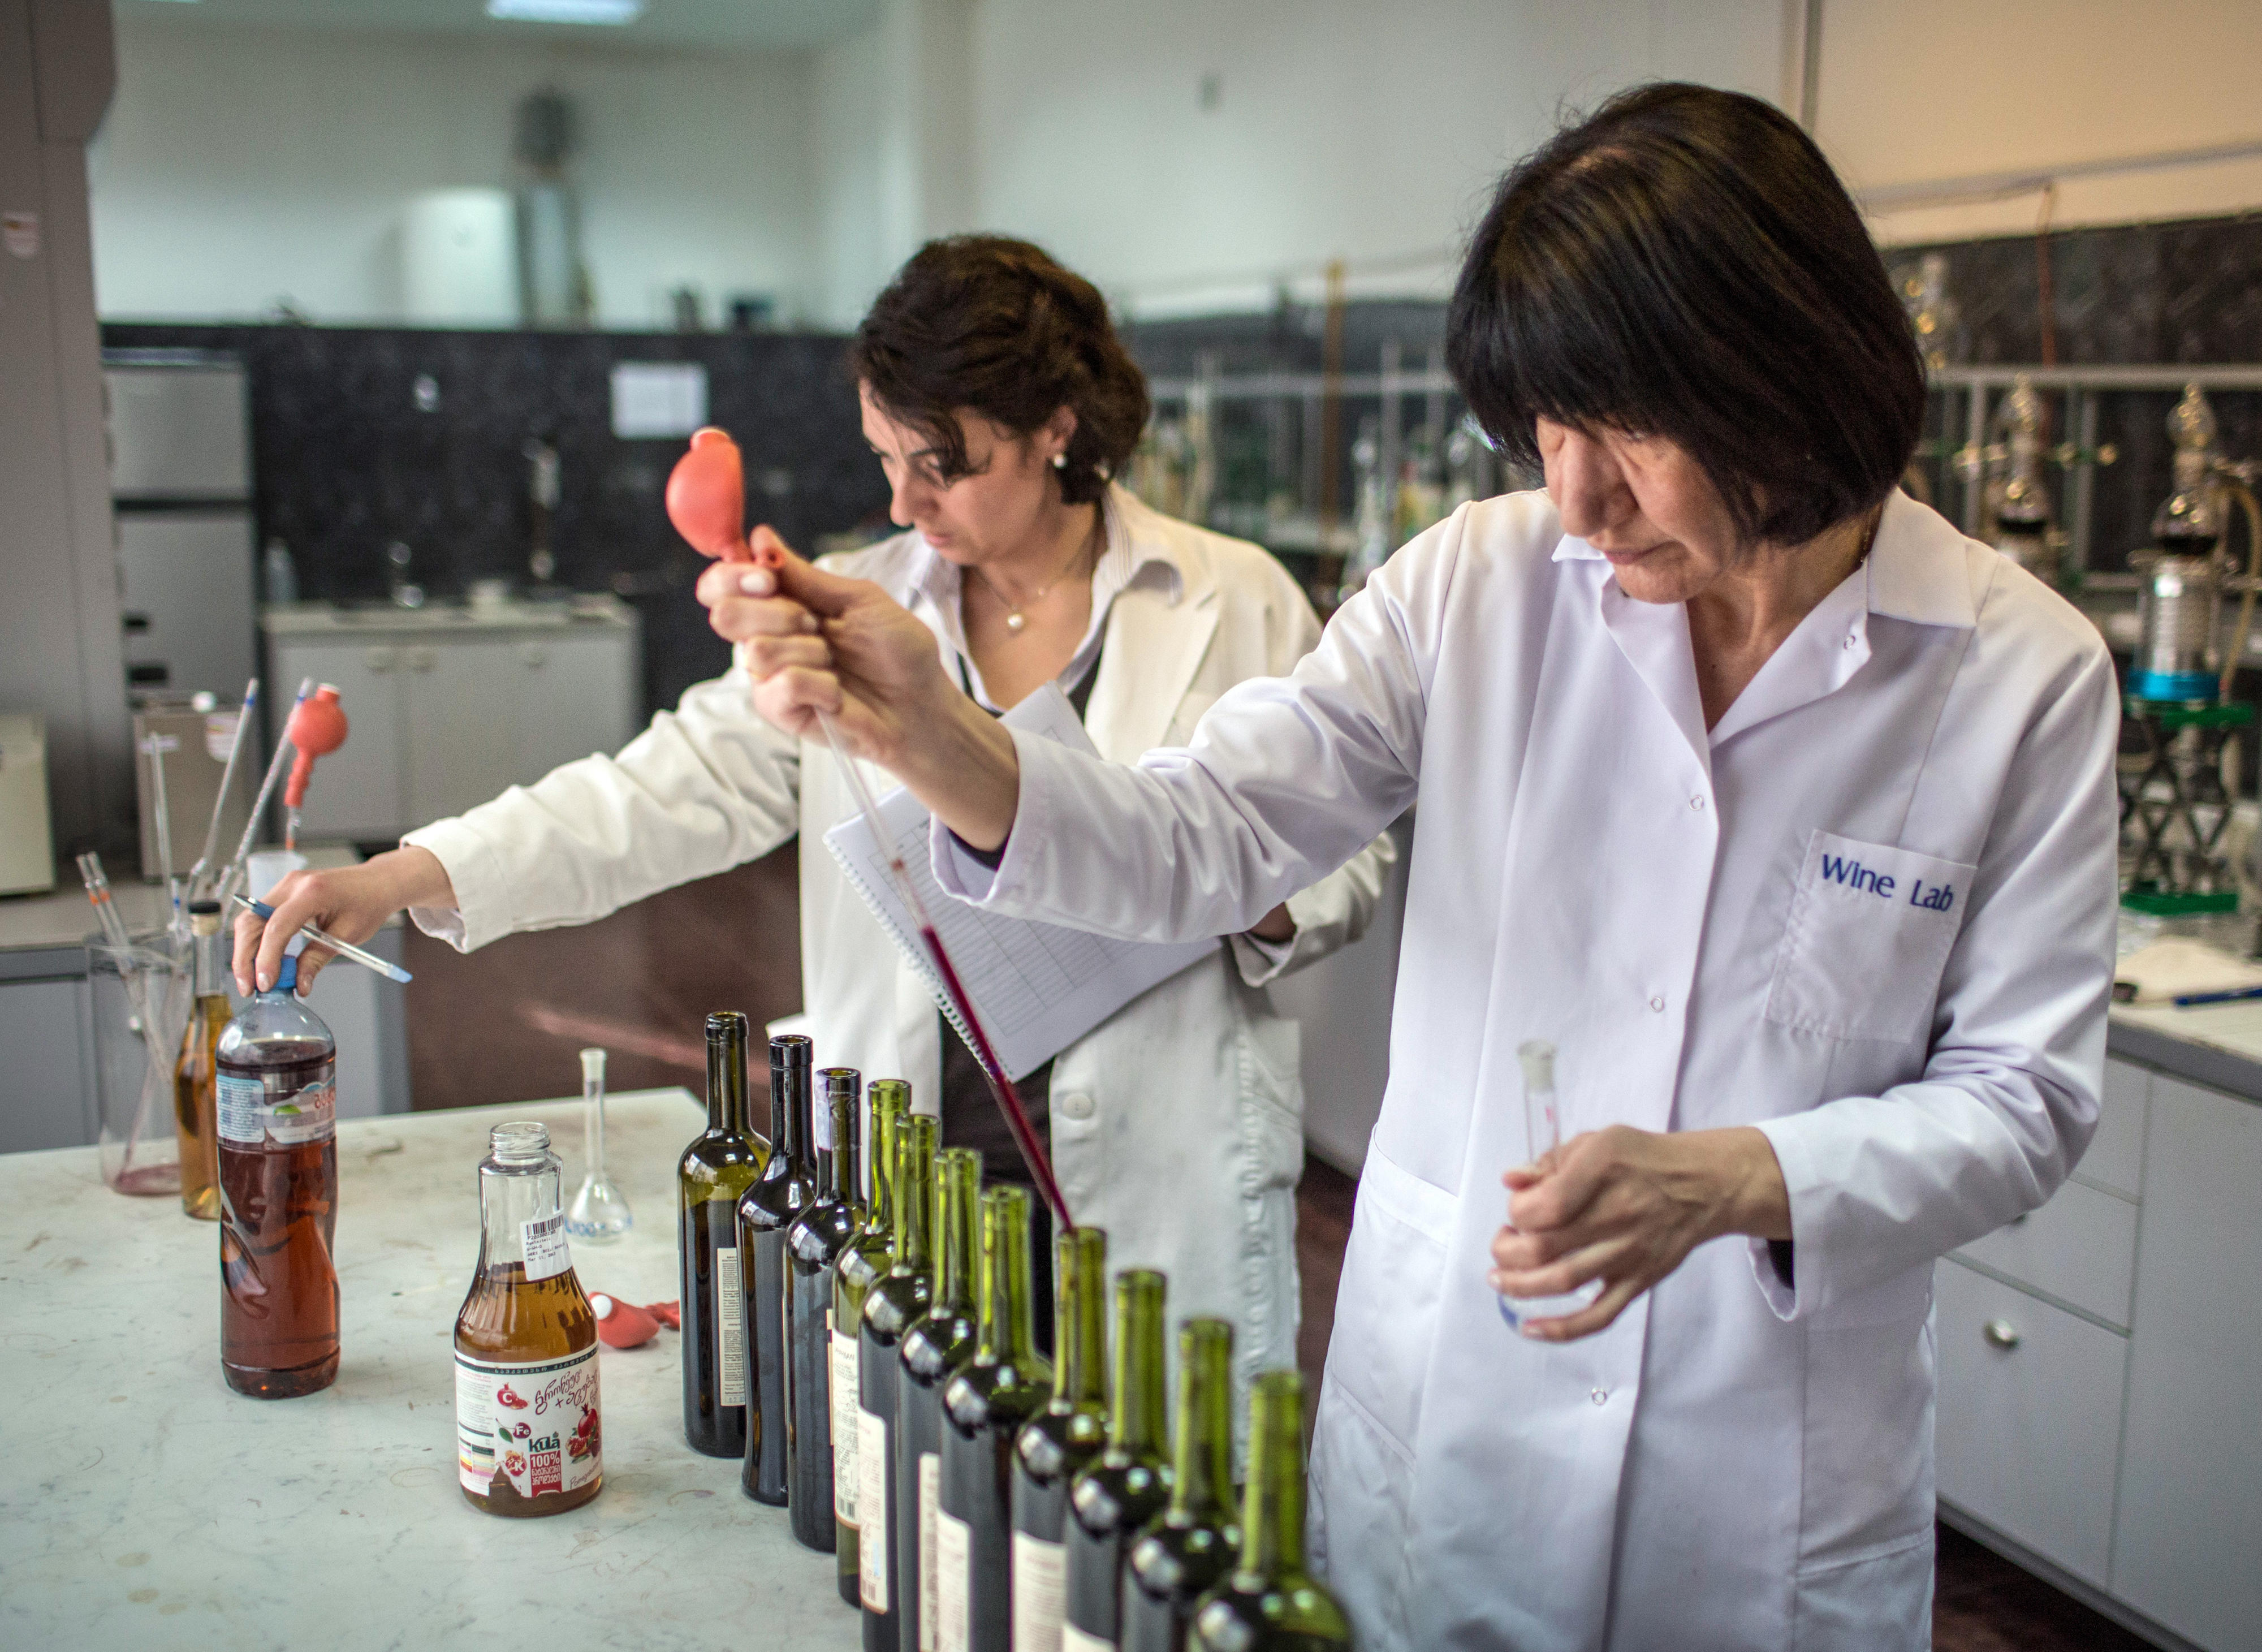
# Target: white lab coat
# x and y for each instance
(1701, 921)
(1177, 1123)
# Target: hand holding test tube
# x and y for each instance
(1543, 1128)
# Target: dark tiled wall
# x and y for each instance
(346, 462)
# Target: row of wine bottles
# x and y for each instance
(872, 1359)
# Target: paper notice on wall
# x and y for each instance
(658, 399)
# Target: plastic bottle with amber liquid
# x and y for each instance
(528, 1439)
(275, 1081)
(196, 1095)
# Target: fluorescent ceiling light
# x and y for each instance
(567, 11)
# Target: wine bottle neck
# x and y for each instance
(789, 1094)
(726, 1073)
(1273, 1516)
(958, 1177)
(1006, 1332)
(890, 1101)
(1202, 1468)
(915, 1139)
(1136, 1425)
(1080, 1311)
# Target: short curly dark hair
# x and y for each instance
(1684, 264)
(998, 326)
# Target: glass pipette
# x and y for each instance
(323, 937)
(227, 783)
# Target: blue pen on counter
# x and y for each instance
(2191, 1001)
(343, 948)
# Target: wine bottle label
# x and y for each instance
(929, 1503)
(547, 1253)
(872, 1508)
(249, 1116)
(845, 1412)
(1040, 1593)
(729, 1329)
(953, 1559)
(529, 1425)
(1075, 1639)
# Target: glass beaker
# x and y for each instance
(141, 996)
(1543, 1134)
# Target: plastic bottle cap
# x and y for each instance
(286, 978)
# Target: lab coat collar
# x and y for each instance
(1918, 570)
(1158, 628)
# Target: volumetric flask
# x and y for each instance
(1543, 1134)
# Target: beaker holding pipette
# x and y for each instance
(1543, 1134)
(599, 1211)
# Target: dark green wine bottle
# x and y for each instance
(1268, 1602)
(1194, 1542)
(933, 1349)
(984, 1407)
(895, 1299)
(1129, 1482)
(862, 1262)
(812, 1245)
(713, 1171)
(1061, 1440)
(786, 1188)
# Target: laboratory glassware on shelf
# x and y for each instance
(1129, 1482)
(896, 1300)
(1060, 1441)
(813, 1244)
(713, 1171)
(277, 1087)
(862, 1261)
(1543, 1134)
(599, 1212)
(528, 1439)
(2019, 497)
(786, 1188)
(932, 1350)
(1186, 1552)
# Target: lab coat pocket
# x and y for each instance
(1868, 934)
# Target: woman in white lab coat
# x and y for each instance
(1782, 809)
(1000, 402)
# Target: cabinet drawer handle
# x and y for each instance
(2000, 1333)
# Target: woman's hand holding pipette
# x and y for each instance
(815, 643)
(351, 902)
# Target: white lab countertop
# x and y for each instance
(147, 1504)
(2214, 1044)
(583, 610)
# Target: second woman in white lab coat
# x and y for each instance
(999, 401)
(1782, 809)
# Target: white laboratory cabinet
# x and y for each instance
(2099, 1412)
(448, 706)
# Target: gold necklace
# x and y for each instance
(1015, 619)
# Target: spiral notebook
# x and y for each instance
(1037, 987)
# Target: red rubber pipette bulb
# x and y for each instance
(317, 728)
(707, 496)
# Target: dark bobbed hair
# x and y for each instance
(1684, 264)
(995, 325)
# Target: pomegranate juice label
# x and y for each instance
(530, 1425)
(256, 1111)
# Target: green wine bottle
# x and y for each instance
(984, 1407)
(813, 1244)
(786, 1188)
(1129, 1482)
(861, 1263)
(1268, 1602)
(933, 1349)
(713, 1171)
(1061, 1440)
(895, 1299)
(1194, 1542)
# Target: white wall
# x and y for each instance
(1342, 127)
(241, 164)
(1915, 91)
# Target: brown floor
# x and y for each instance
(503, 1025)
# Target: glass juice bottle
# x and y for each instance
(195, 1098)
(983, 1408)
(896, 1299)
(785, 1188)
(1181, 1556)
(1058, 1443)
(526, 1436)
(276, 1095)
(1129, 1482)
(713, 1171)
(933, 1349)
(813, 1244)
(862, 1262)
(1268, 1602)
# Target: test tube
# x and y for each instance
(1543, 1134)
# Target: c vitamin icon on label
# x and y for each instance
(529, 1427)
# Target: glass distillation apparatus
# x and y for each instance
(2180, 765)
(2017, 497)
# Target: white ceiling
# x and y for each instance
(726, 24)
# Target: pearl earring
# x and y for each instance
(1060, 461)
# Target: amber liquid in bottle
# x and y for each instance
(195, 1097)
(528, 1440)
(278, 1186)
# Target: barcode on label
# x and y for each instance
(547, 1252)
